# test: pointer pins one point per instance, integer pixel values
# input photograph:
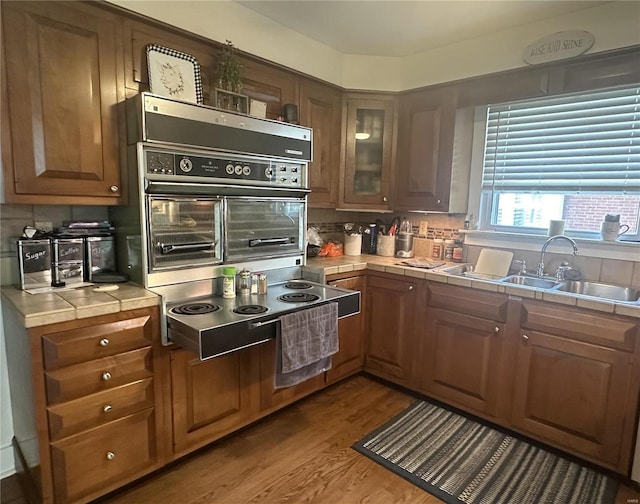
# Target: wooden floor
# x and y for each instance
(299, 455)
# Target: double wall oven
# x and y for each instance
(209, 189)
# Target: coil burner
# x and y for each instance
(250, 309)
(195, 309)
(298, 285)
(298, 297)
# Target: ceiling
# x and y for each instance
(399, 27)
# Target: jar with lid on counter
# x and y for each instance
(244, 282)
(448, 250)
(437, 250)
(457, 252)
(229, 282)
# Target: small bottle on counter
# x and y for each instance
(262, 283)
(229, 282)
(254, 282)
(437, 251)
(457, 252)
(448, 250)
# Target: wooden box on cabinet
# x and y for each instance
(62, 110)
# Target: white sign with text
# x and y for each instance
(560, 45)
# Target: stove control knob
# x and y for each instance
(238, 170)
(283, 168)
(186, 165)
(229, 169)
(268, 172)
(294, 180)
(246, 170)
(294, 169)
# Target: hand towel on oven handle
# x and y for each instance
(305, 343)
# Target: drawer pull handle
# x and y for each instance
(107, 408)
(411, 287)
(496, 329)
(111, 455)
(104, 342)
(525, 337)
(106, 376)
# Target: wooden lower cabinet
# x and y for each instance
(461, 360)
(272, 398)
(94, 459)
(350, 357)
(575, 393)
(214, 397)
(393, 326)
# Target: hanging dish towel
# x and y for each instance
(305, 343)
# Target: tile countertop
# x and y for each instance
(64, 305)
(318, 268)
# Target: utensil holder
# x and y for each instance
(352, 244)
(386, 245)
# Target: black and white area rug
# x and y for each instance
(462, 461)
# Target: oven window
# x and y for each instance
(184, 232)
(263, 228)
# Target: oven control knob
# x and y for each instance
(283, 168)
(229, 169)
(283, 180)
(294, 169)
(294, 180)
(268, 172)
(246, 170)
(238, 170)
(186, 165)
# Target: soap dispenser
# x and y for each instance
(404, 239)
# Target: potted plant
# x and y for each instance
(228, 68)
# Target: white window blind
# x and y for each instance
(586, 143)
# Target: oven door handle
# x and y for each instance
(187, 247)
(262, 242)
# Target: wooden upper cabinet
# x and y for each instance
(64, 81)
(369, 158)
(425, 149)
(268, 84)
(602, 71)
(321, 110)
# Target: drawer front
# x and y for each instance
(474, 302)
(94, 376)
(81, 414)
(89, 343)
(92, 460)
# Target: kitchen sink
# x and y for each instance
(600, 290)
(465, 270)
(531, 281)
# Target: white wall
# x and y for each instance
(7, 464)
(614, 25)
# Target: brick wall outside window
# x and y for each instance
(579, 211)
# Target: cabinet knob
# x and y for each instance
(104, 342)
(525, 337)
(107, 408)
(111, 455)
(384, 198)
(106, 376)
(411, 287)
(114, 188)
(496, 329)
(438, 202)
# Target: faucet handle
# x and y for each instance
(561, 273)
(523, 266)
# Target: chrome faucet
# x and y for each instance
(540, 270)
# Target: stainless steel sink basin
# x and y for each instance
(530, 281)
(465, 270)
(601, 290)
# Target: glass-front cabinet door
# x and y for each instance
(369, 149)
